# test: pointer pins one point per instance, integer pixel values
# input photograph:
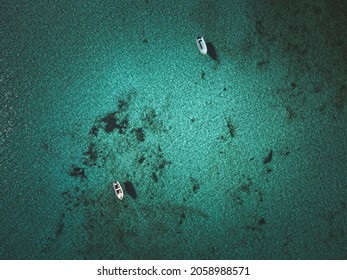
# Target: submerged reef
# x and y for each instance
(91, 155)
(111, 122)
(230, 127)
(77, 172)
(268, 158)
(244, 192)
(115, 121)
(140, 135)
(113, 136)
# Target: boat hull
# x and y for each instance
(118, 190)
(201, 45)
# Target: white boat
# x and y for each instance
(118, 190)
(201, 45)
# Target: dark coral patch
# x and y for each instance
(141, 159)
(94, 130)
(140, 135)
(154, 177)
(262, 63)
(268, 158)
(130, 189)
(163, 163)
(245, 187)
(92, 155)
(231, 128)
(285, 152)
(196, 188)
(112, 122)
(261, 221)
(183, 216)
(77, 172)
(240, 195)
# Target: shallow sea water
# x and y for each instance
(243, 157)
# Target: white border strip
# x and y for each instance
(86, 270)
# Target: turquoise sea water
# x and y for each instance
(242, 157)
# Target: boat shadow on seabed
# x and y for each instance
(211, 51)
